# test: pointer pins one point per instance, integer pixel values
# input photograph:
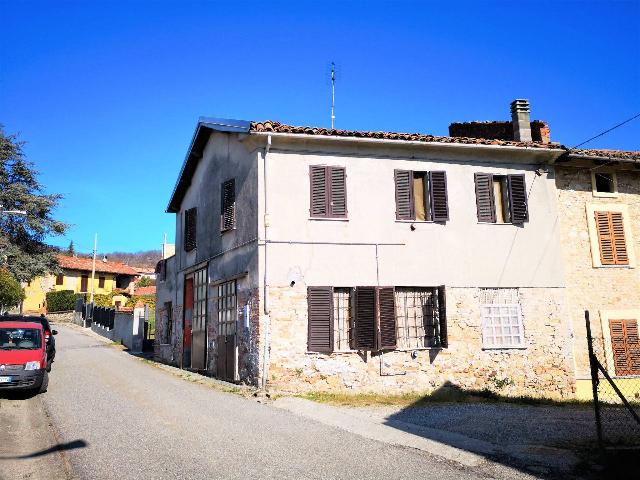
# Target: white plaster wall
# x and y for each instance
(460, 253)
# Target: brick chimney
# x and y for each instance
(520, 120)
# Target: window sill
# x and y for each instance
(416, 221)
(329, 219)
(613, 266)
(503, 348)
(498, 223)
(605, 194)
(351, 352)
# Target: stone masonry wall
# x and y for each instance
(544, 368)
(590, 288)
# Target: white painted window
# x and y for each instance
(501, 314)
(341, 319)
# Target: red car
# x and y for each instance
(23, 357)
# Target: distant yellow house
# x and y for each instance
(76, 276)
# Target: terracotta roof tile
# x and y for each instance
(151, 290)
(277, 127)
(85, 265)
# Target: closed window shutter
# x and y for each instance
(338, 189)
(626, 346)
(518, 199)
(619, 240)
(228, 205)
(611, 238)
(404, 195)
(190, 221)
(320, 328)
(484, 198)
(438, 192)
(318, 186)
(365, 318)
(387, 318)
(442, 316)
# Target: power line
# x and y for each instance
(607, 131)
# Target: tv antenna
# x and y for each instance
(333, 93)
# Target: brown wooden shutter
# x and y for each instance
(438, 192)
(485, 203)
(365, 318)
(404, 195)
(190, 221)
(320, 328)
(228, 205)
(442, 316)
(318, 186)
(619, 240)
(611, 238)
(84, 283)
(338, 192)
(626, 346)
(387, 318)
(518, 199)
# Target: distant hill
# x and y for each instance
(147, 259)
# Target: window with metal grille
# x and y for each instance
(501, 315)
(199, 300)
(227, 308)
(341, 319)
(417, 317)
(190, 221)
(421, 196)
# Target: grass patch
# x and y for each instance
(441, 395)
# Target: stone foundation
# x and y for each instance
(543, 368)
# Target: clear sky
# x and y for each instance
(107, 94)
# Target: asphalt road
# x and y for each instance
(109, 415)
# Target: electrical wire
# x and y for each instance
(607, 131)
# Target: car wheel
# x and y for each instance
(45, 383)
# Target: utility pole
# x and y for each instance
(333, 93)
(93, 269)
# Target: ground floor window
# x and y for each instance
(227, 308)
(418, 324)
(341, 319)
(626, 346)
(501, 317)
(168, 308)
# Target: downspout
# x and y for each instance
(265, 296)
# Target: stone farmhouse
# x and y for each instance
(321, 259)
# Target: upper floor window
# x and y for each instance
(328, 192)
(421, 196)
(228, 205)
(611, 238)
(501, 198)
(604, 183)
(190, 220)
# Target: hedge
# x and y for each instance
(62, 301)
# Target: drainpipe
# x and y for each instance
(265, 296)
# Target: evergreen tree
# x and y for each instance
(72, 249)
(22, 248)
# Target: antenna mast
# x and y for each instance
(333, 93)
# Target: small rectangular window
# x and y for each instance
(60, 279)
(611, 238)
(604, 182)
(228, 205)
(101, 281)
(421, 196)
(626, 346)
(501, 198)
(501, 317)
(190, 222)
(84, 283)
(342, 319)
(328, 192)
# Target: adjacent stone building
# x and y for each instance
(320, 259)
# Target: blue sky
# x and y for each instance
(107, 94)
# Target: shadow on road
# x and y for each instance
(547, 439)
(56, 448)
